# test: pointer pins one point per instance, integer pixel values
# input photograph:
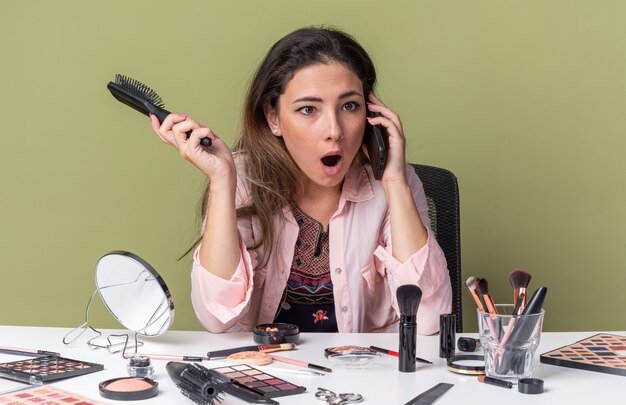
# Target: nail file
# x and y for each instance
(431, 395)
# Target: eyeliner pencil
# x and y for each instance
(256, 348)
(170, 357)
(26, 352)
(396, 354)
(301, 363)
(495, 381)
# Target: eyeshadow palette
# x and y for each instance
(48, 368)
(603, 352)
(258, 381)
(45, 396)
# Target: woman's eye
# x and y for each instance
(307, 110)
(351, 106)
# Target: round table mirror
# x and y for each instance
(134, 293)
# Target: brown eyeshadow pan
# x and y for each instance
(46, 368)
(596, 353)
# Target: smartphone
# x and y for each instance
(376, 141)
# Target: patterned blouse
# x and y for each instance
(308, 297)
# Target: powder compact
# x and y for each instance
(467, 364)
(272, 333)
(351, 356)
(128, 388)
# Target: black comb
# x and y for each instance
(142, 98)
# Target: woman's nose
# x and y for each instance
(335, 129)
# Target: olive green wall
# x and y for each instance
(524, 100)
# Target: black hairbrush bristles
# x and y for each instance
(196, 383)
(139, 89)
(142, 98)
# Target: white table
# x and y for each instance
(381, 384)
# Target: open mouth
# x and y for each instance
(331, 160)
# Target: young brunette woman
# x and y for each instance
(296, 229)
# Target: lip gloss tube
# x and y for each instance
(447, 324)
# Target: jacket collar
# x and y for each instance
(357, 187)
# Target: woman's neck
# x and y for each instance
(320, 203)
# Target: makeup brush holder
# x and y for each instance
(509, 342)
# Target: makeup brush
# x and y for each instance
(196, 383)
(408, 297)
(142, 98)
(483, 288)
(481, 296)
(519, 280)
(470, 285)
(517, 333)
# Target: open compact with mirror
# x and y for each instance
(138, 298)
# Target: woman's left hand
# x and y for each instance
(395, 166)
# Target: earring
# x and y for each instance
(275, 131)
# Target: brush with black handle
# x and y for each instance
(409, 297)
(142, 98)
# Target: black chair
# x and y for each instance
(442, 194)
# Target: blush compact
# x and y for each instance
(275, 333)
(129, 388)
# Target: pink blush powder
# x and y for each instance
(128, 384)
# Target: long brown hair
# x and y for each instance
(273, 175)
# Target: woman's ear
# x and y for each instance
(271, 116)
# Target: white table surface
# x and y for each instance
(379, 384)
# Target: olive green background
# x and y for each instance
(524, 100)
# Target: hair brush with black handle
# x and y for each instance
(142, 98)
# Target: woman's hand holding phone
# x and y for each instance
(395, 159)
(408, 233)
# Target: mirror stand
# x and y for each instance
(136, 296)
(112, 347)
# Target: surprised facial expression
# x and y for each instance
(321, 118)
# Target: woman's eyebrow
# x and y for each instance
(319, 100)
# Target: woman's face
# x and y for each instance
(321, 118)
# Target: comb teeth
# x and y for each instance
(139, 89)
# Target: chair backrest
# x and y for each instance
(442, 192)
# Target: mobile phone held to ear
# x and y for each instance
(376, 141)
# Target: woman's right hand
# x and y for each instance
(215, 161)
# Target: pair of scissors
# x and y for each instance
(337, 399)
